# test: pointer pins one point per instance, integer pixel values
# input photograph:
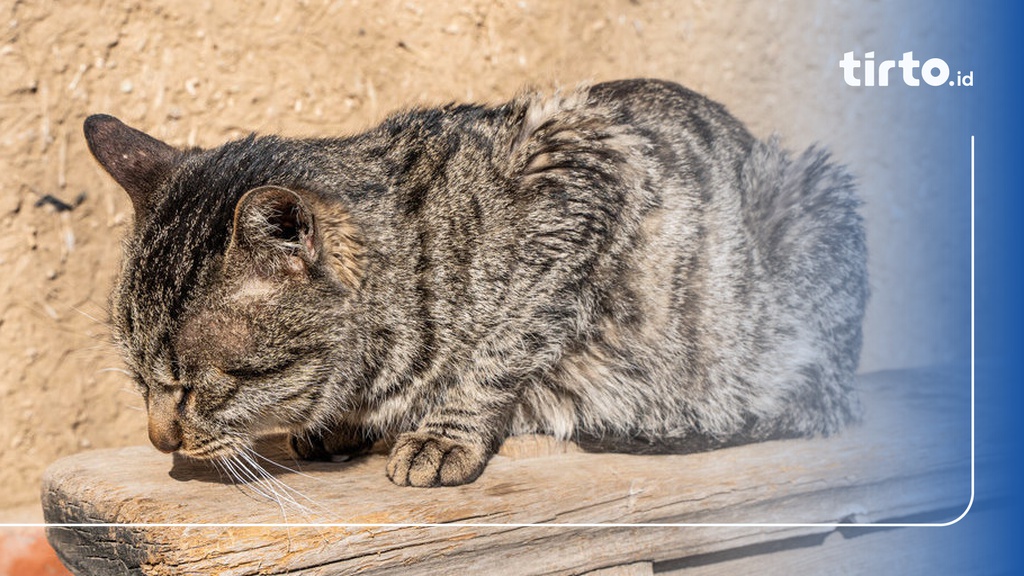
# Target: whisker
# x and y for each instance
(119, 370)
(245, 478)
(89, 316)
(283, 467)
(288, 491)
(216, 462)
(265, 485)
(106, 346)
(267, 489)
(272, 481)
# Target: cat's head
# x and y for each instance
(235, 289)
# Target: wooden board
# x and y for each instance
(910, 456)
(906, 551)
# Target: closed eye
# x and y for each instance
(186, 393)
(255, 372)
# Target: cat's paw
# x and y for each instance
(420, 459)
(329, 446)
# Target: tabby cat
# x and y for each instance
(622, 261)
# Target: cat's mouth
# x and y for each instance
(217, 449)
(210, 450)
(220, 447)
(168, 436)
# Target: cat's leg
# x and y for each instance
(549, 301)
(344, 439)
(576, 205)
(453, 443)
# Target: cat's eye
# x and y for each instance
(255, 372)
(186, 393)
(175, 368)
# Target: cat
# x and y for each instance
(620, 261)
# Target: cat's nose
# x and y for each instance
(163, 406)
(165, 434)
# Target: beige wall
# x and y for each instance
(198, 72)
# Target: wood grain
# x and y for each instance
(910, 456)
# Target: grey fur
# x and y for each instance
(624, 261)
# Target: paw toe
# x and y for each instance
(426, 460)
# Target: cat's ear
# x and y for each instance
(274, 232)
(137, 161)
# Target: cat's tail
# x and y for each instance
(808, 237)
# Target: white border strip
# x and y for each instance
(576, 525)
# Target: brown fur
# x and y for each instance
(624, 261)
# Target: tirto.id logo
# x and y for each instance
(934, 71)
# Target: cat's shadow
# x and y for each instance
(270, 454)
(691, 444)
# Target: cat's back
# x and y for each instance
(689, 125)
(735, 284)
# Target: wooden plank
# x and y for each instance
(909, 456)
(903, 551)
(634, 569)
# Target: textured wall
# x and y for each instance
(197, 72)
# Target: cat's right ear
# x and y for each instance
(274, 232)
(136, 160)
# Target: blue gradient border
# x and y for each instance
(991, 531)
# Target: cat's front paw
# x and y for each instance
(421, 459)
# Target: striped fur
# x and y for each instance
(622, 262)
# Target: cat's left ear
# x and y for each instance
(274, 232)
(136, 160)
